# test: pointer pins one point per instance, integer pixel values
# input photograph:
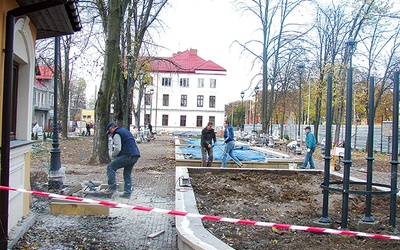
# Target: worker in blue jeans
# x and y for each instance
(230, 144)
(311, 144)
(125, 154)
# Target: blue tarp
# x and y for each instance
(243, 153)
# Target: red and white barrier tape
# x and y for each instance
(206, 217)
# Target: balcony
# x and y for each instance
(43, 106)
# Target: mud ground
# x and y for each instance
(294, 199)
(281, 198)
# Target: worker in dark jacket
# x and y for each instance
(125, 154)
(207, 137)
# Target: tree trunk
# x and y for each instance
(109, 80)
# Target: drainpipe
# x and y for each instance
(6, 122)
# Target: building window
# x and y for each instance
(184, 82)
(200, 83)
(200, 100)
(213, 83)
(89, 116)
(212, 119)
(199, 121)
(166, 81)
(212, 101)
(165, 100)
(165, 120)
(147, 99)
(84, 116)
(183, 100)
(14, 99)
(183, 120)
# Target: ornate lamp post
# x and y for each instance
(151, 103)
(144, 109)
(140, 76)
(272, 82)
(255, 107)
(56, 176)
(351, 45)
(300, 68)
(242, 95)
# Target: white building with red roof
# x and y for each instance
(187, 93)
(43, 97)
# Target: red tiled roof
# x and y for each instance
(40, 84)
(45, 72)
(184, 62)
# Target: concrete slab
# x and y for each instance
(191, 232)
(364, 226)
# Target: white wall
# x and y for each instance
(175, 110)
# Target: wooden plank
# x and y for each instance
(74, 190)
(78, 209)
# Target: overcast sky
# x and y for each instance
(211, 26)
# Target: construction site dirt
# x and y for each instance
(294, 199)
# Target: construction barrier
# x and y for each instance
(206, 217)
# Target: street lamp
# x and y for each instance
(255, 107)
(271, 79)
(140, 76)
(151, 103)
(300, 68)
(351, 46)
(128, 94)
(242, 95)
(144, 109)
(55, 181)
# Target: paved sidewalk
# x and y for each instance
(124, 229)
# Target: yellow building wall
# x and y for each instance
(6, 6)
(85, 115)
(27, 184)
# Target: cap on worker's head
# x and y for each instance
(109, 125)
(308, 127)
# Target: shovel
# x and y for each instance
(237, 162)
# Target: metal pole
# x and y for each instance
(395, 148)
(381, 135)
(242, 95)
(328, 142)
(128, 94)
(254, 115)
(370, 158)
(151, 106)
(232, 115)
(308, 110)
(55, 177)
(300, 67)
(144, 109)
(140, 75)
(255, 107)
(347, 148)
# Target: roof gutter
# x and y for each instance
(6, 122)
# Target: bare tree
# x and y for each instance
(277, 34)
(113, 88)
